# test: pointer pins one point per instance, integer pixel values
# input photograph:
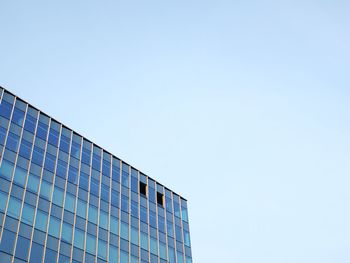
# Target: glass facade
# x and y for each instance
(64, 199)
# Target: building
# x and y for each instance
(64, 199)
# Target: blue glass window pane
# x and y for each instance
(134, 209)
(113, 254)
(57, 197)
(36, 253)
(53, 137)
(124, 230)
(170, 229)
(106, 166)
(143, 214)
(85, 158)
(134, 184)
(144, 240)
(162, 251)
(81, 208)
(187, 238)
(61, 169)
(46, 189)
(5, 109)
(178, 233)
(91, 244)
(125, 179)
(6, 169)
(42, 130)
(105, 193)
(124, 257)
(171, 255)
(134, 236)
(84, 181)
(93, 214)
(116, 173)
(176, 209)
(22, 248)
(30, 123)
(151, 195)
(67, 231)
(3, 200)
(70, 203)
(38, 156)
(28, 214)
(54, 227)
(12, 142)
(125, 203)
(180, 257)
(96, 162)
(33, 183)
(41, 220)
(75, 150)
(94, 186)
(14, 207)
(50, 255)
(115, 199)
(103, 220)
(7, 241)
(161, 224)
(25, 149)
(64, 144)
(50, 161)
(2, 135)
(72, 175)
(79, 238)
(154, 246)
(20, 176)
(102, 249)
(114, 225)
(18, 116)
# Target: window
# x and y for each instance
(144, 241)
(3, 199)
(45, 189)
(33, 183)
(5, 109)
(22, 247)
(160, 199)
(92, 214)
(143, 188)
(54, 228)
(91, 244)
(30, 123)
(12, 141)
(25, 149)
(72, 175)
(41, 220)
(36, 254)
(113, 254)
(103, 220)
(18, 116)
(6, 169)
(124, 230)
(102, 249)
(134, 236)
(70, 203)
(114, 225)
(42, 130)
(67, 232)
(28, 214)
(81, 208)
(57, 198)
(7, 241)
(14, 207)
(20, 176)
(79, 238)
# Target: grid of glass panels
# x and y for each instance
(64, 199)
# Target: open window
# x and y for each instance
(143, 188)
(160, 199)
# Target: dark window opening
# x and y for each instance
(160, 199)
(143, 189)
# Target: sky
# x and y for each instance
(241, 107)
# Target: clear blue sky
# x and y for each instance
(243, 107)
